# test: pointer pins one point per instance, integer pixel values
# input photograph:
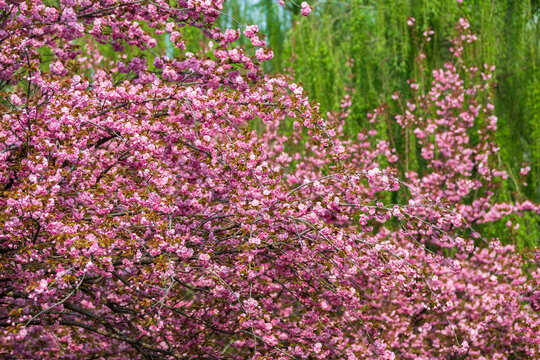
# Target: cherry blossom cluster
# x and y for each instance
(195, 207)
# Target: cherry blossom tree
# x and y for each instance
(194, 207)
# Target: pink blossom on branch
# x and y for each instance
(143, 217)
(305, 8)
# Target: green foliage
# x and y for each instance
(522, 231)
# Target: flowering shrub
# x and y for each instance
(142, 216)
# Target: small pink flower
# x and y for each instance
(57, 68)
(15, 100)
(270, 340)
(325, 305)
(419, 133)
(255, 240)
(231, 35)
(204, 257)
(306, 9)
(251, 31)
(411, 21)
(23, 332)
(69, 15)
(263, 55)
(42, 286)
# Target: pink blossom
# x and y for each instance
(204, 257)
(16, 100)
(305, 8)
(251, 31)
(264, 55)
(57, 68)
(154, 210)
